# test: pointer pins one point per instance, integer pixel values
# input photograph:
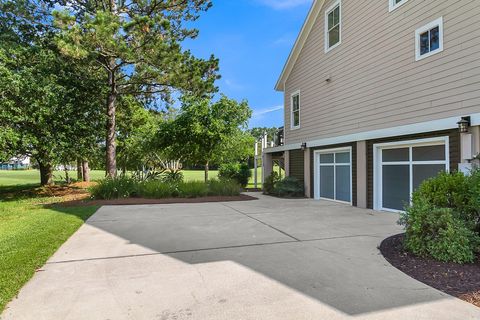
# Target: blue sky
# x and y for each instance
(252, 39)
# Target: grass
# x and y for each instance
(32, 177)
(30, 233)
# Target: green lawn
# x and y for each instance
(32, 177)
(29, 234)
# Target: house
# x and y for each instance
(17, 163)
(379, 96)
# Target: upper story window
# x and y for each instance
(333, 26)
(295, 110)
(429, 39)
(394, 4)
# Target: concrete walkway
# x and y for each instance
(265, 259)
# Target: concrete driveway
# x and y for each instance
(264, 259)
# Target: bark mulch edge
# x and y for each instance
(144, 201)
(461, 281)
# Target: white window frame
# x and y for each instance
(392, 5)
(418, 32)
(378, 164)
(292, 124)
(326, 35)
(316, 170)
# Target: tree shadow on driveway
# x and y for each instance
(322, 250)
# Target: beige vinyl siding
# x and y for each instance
(375, 81)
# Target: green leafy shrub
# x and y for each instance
(192, 189)
(474, 186)
(235, 171)
(158, 190)
(289, 187)
(270, 182)
(172, 177)
(223, 187)
(120, 187)
(455, 191)
(438, 233)
(124, 187)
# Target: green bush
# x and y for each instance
(172, 177)
(157, 190)
(235, 171)
(270, 182)
(289, 187)
(455, 191)
(192, 189)
(223, 187)
(123, 187)
(438, 233)
(120, 187)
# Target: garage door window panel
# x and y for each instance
(403, 168)
(335, 175)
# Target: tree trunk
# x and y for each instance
(79, 170)
(86, 171)
(111, 125)
(67, 176)
(206, 172)
(46, 174)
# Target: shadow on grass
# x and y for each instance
(35, 191)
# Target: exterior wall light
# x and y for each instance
(464, 124)
(304, 146)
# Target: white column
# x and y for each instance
(267, 165)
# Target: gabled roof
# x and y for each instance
(301, 39)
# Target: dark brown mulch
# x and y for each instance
(141, 201)
(461, 281)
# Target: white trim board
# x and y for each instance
(428, 126)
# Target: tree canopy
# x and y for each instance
(138, 44)
(204, 130)
(49, 106)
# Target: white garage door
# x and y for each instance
(333, 175)
(402, 167)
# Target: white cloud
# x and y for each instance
(261, 112)
(232, 84)
(284, 4)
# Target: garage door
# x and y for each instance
(402, 167)
(333, 175)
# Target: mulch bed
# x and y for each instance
(461, 281)
(143, 201)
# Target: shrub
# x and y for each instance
(438, 233)
(115, 188)
(172, 177)
(270, 182)
(474, 186)
(192, 189)
(124, 187)
(289, 187)
(455, 191)
(223, 188)
(234, 171)
(158, 190)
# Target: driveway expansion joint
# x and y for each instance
(264, 223)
